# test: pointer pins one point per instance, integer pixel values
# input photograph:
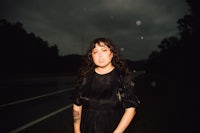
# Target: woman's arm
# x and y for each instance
(126, 120)
(77, 110)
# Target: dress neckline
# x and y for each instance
(105, 73)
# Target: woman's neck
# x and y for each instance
(103, 70)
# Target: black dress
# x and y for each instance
(102, 107)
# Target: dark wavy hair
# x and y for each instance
(89, 66)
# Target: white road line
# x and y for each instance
(39, 119)
(37, 97)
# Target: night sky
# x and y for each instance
(136, 26)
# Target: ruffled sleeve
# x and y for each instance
(77, 94)
(129, 99)
(77, 99)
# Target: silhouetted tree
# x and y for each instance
(189, 27)
(166, 57)
(179, 57)
(23, 52)
(178, 54)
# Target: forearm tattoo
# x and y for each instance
(76, 115)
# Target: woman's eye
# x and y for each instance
(94, 52)
(104, 50)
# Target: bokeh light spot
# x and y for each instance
(138, 22)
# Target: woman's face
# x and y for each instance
(102, 56)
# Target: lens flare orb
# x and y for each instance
(138, 22)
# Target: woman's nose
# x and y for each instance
(100, 54)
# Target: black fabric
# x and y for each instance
(102, 108)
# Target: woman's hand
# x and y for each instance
(126, 120)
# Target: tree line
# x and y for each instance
(25, 52)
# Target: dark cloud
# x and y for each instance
(72, 24)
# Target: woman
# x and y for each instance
(104, 100)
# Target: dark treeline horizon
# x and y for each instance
(25, 52)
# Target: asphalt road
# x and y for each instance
(36, 106)
(48, 113)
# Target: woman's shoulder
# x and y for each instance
(88, 76)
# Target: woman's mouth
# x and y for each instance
(101, 60)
